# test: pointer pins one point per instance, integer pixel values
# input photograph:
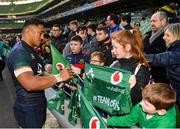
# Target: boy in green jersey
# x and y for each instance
(156, 110)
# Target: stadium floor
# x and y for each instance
(7, 96)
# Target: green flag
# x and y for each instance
(73, 105)
(59, 61)
(57, 102)
(90, 118)
(108, 89)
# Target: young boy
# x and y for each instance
(156, 110)
(97, 58)
(104, 44)
(77, 58)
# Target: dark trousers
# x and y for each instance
(33, 116)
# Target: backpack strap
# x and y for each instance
(137, 68)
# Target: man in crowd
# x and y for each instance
(104, 44)
(73, 26)
(58, 40)
(112, 22)
(91, 31)
(125, 22)
(154, 43)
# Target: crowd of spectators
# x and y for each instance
(153, 57)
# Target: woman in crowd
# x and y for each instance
(127, 48)
(171, 58)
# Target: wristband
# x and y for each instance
(58, 78)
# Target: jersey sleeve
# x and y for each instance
(19, 59)
(127, 120)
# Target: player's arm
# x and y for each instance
(31, 82)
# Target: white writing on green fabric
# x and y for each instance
(116, 89)
(107, 101)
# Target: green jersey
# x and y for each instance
(137, 115)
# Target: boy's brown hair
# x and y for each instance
(91, 26)
(74, 22)
(160, 95)
(100, 55)
(77, 38)
(103, 28)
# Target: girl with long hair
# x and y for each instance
(127, 48)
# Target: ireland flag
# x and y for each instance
(57, 102)
(108, 89)
(89, 116)
(59, 61)
(81, 107)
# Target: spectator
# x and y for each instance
(137, 25)
(126, 21)
(97, 58)
(127, 48)
(82, 32)
(58, 40)
(77, 58)
(91, 31)
(104, 44)
(171, 58)
(73, 26)
(112, 22)
(154, 43)
(156, 110)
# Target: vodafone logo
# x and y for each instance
(59, 66)
(116, 77)
(62, 107)
(94, 123)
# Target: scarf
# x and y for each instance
(155, 35)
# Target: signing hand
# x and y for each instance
(66, 74)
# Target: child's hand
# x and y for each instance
(105, 120)
(75, 69)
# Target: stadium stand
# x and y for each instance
(13, 9)
(62, 12)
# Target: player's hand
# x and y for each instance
(66, 74)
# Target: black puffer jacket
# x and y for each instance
(142, 77)
(171, 60)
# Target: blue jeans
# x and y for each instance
(30, 116)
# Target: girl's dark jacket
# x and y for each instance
(142, 76)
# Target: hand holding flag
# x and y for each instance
(60, 65)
